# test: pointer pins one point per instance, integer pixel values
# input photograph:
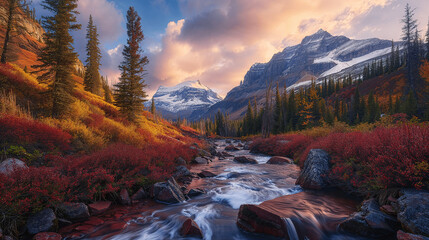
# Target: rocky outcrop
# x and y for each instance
(371, 222)
(99, 207)
(413, 211)
(400, 235)
(243, 159)
(168, 192)
(280, 160)
(11, 164)
(47, 236)
(316, 170)
(191, 229)
(43, 221)
(74, 211)
(206, 174)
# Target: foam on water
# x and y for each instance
(201, 215)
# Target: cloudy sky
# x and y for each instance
(217, 41)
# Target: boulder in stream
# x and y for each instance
(195, 192)
(168, 192)
(191, 229)
(316, 170)
(200, 160)
(43, 221)
(99, 207)
(74, 211)
(244, 159)
(280, 160)
(413, 211)
(139, 195)
(371, 222)
(206, 174)
(231, 148)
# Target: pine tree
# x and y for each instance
(11, 11)
(248, 120)
(92, 80)
(58, 57)
(392, 58)
(410, 26)
(277, 112)
(411, 104)
(372, 108)
(292, 111)
(391, 108)
(152, 107)
(107, 90)
(427, 43)
(356, 106)
(129, 94)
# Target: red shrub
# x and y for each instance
(15, 130)
(282, 145)
(31, 190)
(386, 157)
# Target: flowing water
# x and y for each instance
(235, 184)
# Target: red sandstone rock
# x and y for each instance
(191, 229)
(47, 236)
(99, 207)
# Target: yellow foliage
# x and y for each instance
(31, 80)
(8, 105)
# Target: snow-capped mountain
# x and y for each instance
(185, 100)
(317, 56)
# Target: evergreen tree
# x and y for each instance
(397, 106)
(11, 8)
(372, 108)
(92, 80)
(284, 109)
(427, 43)
(248, 120)
(391, 108)
(107, 90)
(408, 30)
(411, 104)
(392, 58)
(152, 107)
(292, 111)
(129, 94)
(58, 57)
(277, 112)
(356, 106)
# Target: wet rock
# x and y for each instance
(233, 175)
(139, 195)
(240, 145)
(316, 169)
(206, 174)
(11, 164)
(228, 141)
(400, 235)
(246, 147)
(195, 192)
(280, 160)
(370, 222)
(226, 154)
(181, 171)
(231, 148)
(125, 197)
(243, 159)
(413, 211)
(74, 211)
(99, 207)
(181, 161)
(200, 160)
(168, 192)
(47, 236)
(191, 229)
(204, 153)
(254, 219)
(43, 221)
(212, 150)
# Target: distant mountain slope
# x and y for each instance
(185, 100)
(317, 56)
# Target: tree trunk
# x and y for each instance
(8, 30)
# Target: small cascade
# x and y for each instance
(291, 231)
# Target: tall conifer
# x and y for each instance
(92, 79)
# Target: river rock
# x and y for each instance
(11, 164)
(124, 197)
(139, 195)
(74, 211)
(206, 174)
(168, 192)
(370, 222)
(47, 236)
(191, 229)
(99, 207)
(226, 154)
(200, 160)
(280, 160)
(243, 159)
(195, 192)
(228, 141)
(316, 170)
(181, 171)
(231, 148)
(413, 211)
(181, 161)
(43, 221)
(400, 235)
